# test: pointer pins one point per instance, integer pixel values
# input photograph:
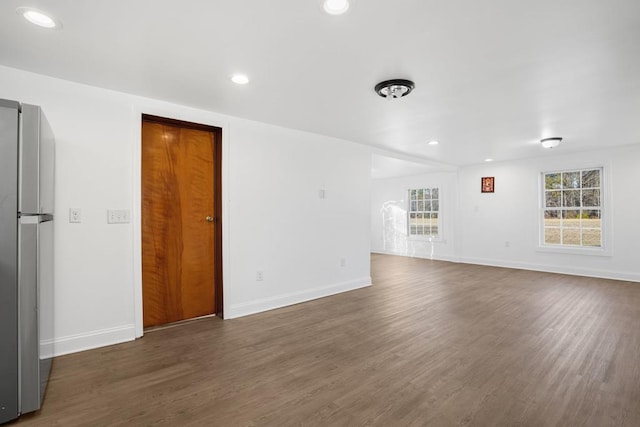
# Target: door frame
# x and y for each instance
(188, 117)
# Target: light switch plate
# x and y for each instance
(118, 216)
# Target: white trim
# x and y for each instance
(87, 341)
(136, 220)
(270, 303)
(188, 115)
(425, 238)
(606, 213)
(578, 250)
(435, 257)
(422, 237)
(574, 271)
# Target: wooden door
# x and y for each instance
(180, 220)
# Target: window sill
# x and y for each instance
(425, 239)
(576, 250)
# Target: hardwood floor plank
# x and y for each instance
(430, 343)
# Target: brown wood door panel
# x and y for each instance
(178, 243)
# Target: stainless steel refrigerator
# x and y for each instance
(26, 256)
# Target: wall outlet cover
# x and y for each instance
(75, 215)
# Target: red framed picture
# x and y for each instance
(488, 184)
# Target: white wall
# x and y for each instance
(273, 219)
(281, 226)
(511, 214)
(502, 228)
(389, 216)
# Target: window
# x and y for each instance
(424, 209)
(572, 208)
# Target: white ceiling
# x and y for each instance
(492, 77)
(390, 167)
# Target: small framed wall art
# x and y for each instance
(488, 184)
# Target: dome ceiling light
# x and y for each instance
(550, 142)
(396, 88)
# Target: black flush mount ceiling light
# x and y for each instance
(550, 142)
(396, 88)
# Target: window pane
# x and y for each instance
(419, 217)
(571, 180)
(552, 236)
(591, 219)
(552, 218)
(591, 238)
(553, 199)
(413, 223)
(435, 205)
(552, 181)
(571, 236)
(591, 179)
(572, 208)
(571, 198)
(435, 224)
(571, 218)
(590, 197)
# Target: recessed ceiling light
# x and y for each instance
(38, 17)
(336, 7)
(434, 142)
(240, 79)
(488, 160)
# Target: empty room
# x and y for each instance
(319, 212)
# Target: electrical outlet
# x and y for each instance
(75, 215)
(122, 216)
(507, 244)
(343, 262)
(259, 276)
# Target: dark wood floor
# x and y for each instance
(431, 343)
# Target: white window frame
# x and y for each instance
(422, 237)
(605, 215)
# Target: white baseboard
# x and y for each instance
(435, 257)
(574, 271)
(81, 342)
(105, 337)
(264, 304)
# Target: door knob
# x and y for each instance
(209, 219)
